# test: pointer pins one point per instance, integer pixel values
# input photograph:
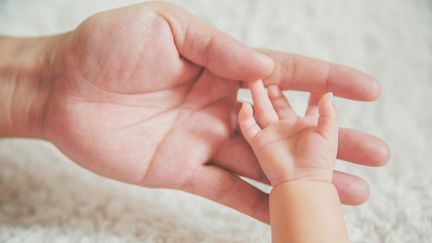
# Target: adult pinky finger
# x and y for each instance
(230, 190)
(352, 190)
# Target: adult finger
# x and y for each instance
(352, 190)
(206, 46)
(362, 148)
(296, 72)
(237, 156)
(230, 190)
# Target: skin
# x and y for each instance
(146, 95)
(289, 147)
(298, 155)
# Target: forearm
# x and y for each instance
(24, 85)
(306, 211)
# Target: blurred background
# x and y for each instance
(44, 197)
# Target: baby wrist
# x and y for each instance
(307, 177)
(296, 207)
(305, 184)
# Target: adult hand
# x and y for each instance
(146, 95)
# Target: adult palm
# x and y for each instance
(146, 95)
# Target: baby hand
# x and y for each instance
(289, 147)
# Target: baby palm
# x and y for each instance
(290, 147)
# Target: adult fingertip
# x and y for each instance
(371, 88)
(366, 192)
(258, 66)
(379, 153)
(353, 84)
(266, 63)
(352, 190)
(382, 154)
(373, 91)
(361, 195)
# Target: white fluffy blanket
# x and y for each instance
(46, 198)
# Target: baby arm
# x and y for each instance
(297, 154)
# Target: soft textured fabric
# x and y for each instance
(44, 197)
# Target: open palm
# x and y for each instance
(130, 107)
(146, 95)
(289, 147)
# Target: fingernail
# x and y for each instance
(265, 60)
(331, 96)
